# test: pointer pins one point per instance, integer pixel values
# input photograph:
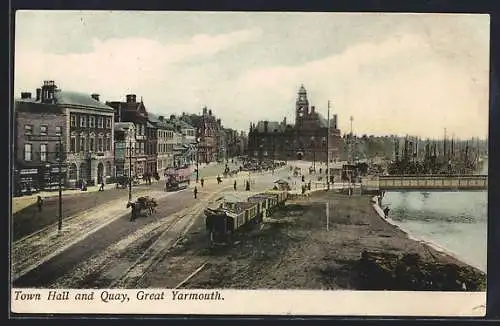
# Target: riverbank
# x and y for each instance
(294, 249)
(428, 241)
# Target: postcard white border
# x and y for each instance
(262, 302)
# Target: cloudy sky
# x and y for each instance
(394, 73)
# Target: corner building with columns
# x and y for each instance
(86, 128)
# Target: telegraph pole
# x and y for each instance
(59, 222)
(328, 149)
(197, 158)
(130, 171)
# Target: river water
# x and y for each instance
(455, 221)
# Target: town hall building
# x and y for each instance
(305, 140)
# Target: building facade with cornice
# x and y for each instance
(86, 128)
(306, 139)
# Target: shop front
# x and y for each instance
(26, 181)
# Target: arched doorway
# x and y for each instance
(100, 172)
(108, 169)
(83, 172)
(72, 172)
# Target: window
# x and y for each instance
(43, 130)
(28, 129)
(43, 152)
(72, 144)
(73, 120)
(108, 144)
(91, 122)
(142, 148)
(58, 131)
(27, 152)
(83, 121)
(58, 149)
(108, 122)
(82, 143)
(99, 122)
(91, 144)
(99, 144)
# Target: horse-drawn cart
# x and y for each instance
(144, 203)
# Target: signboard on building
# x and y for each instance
(56, 170)
(28, 171)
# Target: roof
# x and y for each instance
(79, 99)
(169, 123)
(271, 126)
(74, 99)
(122, 126)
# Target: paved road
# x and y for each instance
(57, 266)
(29, 220)
(61, 265)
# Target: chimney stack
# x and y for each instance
(266, 125)
(95, 97)
(48, 90)
(161, 118)
(219, 122)
(38, 94)
(131, 98)
(284, 121)
(313, 108)
(25, 95)
(205, 110)
(210, 112)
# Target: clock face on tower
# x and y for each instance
(302, 98)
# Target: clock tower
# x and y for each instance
(301, 107)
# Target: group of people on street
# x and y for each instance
(219, 181)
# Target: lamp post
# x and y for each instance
(313, 147)
(59, 161)
(274, 150)
(197, 159)
(130, 171)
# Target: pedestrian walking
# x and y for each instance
(234, 185)
(202, 181)
(386, 211)
(247, 187)
(195, 191)
(39, 203)
(101, 188)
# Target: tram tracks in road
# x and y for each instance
(170, 236)
(37, 248)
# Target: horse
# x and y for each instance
(147, 203)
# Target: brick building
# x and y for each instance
(85, 125)
(307, 139)
(135, 111)
(125, 149)
(209, 137)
